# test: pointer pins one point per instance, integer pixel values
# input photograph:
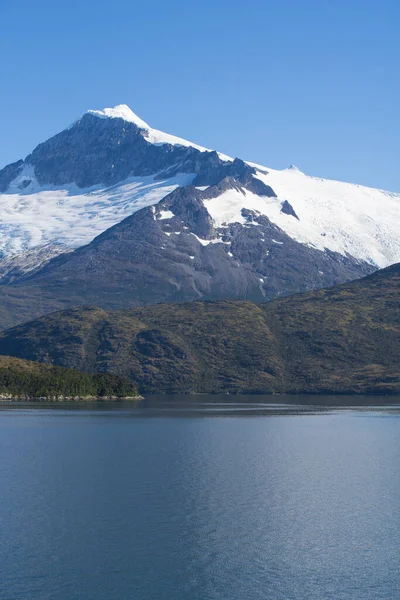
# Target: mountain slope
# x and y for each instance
(341, 340)
(16, 266)
(174, 253)
(343, 217)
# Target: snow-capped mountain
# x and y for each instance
(110, 163)
(115, 213)
(92, 175)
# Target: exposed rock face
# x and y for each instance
(211, 174)
(9, 173)
(288, 209)
(106, 151)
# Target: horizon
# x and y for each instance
(214, 77)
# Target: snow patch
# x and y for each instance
(207, 242)
(25, 182)
(122, 111)
(165, 214)
(227, 208)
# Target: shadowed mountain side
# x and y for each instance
(343, 340)
(106, 151)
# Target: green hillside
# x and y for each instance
(342, 340)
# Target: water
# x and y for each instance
(200, 501)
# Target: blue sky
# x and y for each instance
(315, 83)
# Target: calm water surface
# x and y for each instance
(200, 498)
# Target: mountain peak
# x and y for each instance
(153, 136)
(121, 111)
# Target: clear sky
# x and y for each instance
(315, 83)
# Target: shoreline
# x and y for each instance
(11, 398)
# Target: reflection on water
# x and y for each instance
(164, 499)
(220, 405)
